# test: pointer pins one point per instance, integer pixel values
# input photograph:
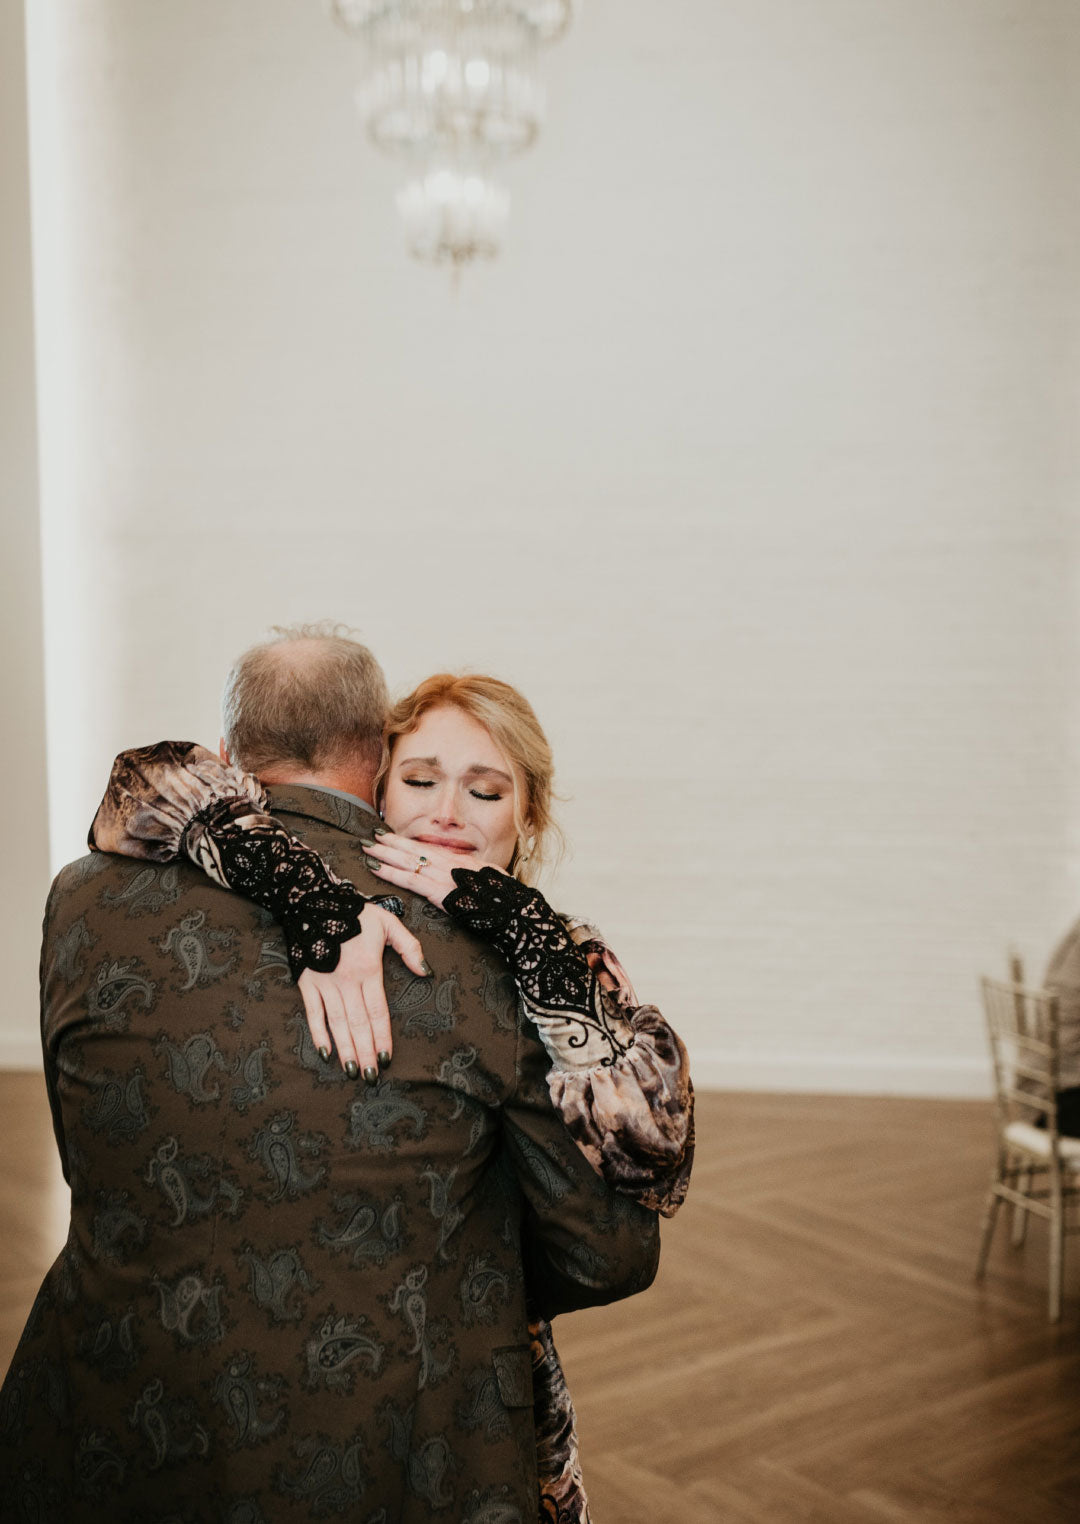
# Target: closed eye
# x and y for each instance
(475, 792)
(419, 782)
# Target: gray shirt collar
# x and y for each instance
(339, 793)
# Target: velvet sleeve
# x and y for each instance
(176, 799)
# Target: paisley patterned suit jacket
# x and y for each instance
(286, 1295)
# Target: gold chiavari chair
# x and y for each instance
(1037, 1169)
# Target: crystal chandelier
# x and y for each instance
(452, 88)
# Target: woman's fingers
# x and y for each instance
(385, 838)
(401, 852)
(416, 865)
(316, 1015)
(433, 882)
(405, 877)
(405, 855)
(366, 1041)
(347, 1007)
(407, 947)
(379, 1025)
(386, 845)
(359, 980)
(334, 1020)
(339, 1025)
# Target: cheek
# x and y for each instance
(400, 804)
(505, 832)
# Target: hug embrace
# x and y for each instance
(349, 1115)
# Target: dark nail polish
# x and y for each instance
(371, 1076)
(381, 830)
(373, 863)
(352, 1069)
(384, 1060)
(427, 968)
(367, 841)
(324, 1054)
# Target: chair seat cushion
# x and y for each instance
(1033, 1140)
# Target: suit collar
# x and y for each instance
(320, 804)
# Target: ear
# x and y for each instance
(222, 751)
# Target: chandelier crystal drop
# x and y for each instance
(453, 215)
(452, 88)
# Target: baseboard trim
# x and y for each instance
(817, 1074)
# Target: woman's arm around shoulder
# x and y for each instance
(632, 1114)
(176, 799)
(620, 1075)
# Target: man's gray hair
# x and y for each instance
(311, 697)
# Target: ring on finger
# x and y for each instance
(421, 864)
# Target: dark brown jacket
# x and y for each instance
(286, 1295)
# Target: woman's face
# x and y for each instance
(450, 785)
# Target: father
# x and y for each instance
(287, 1293)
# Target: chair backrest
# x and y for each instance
(1022, 1025)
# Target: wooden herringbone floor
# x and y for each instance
(814, 1350)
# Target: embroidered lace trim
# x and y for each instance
(552, 973)
(249, 852)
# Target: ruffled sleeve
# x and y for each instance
(620, 1077)
(633, 1118)
(176, 799)
(159, 798)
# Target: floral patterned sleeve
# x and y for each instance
(620, 1075)
(176, 799)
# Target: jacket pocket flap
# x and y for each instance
(513, 1372)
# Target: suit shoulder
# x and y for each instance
(83, 870)
(77, 883)
(110, 889)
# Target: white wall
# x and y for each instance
(752, 461)
(24, 861)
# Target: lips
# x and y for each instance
(450, 845)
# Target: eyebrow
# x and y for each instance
(477, 770)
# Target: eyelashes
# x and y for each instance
(430, 783)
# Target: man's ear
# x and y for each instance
(222, 751)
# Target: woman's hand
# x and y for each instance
(347, 1008)
(417, 865)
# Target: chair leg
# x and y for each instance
(1057, 1250)
(1020, 1214)
(993, 1202)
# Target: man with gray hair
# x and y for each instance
(313, 700)
(308, 708)
(286, 1295)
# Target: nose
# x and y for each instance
(445, 809)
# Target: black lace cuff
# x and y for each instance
(548, 966)
(258, 858)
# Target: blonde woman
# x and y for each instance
(464, 792)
